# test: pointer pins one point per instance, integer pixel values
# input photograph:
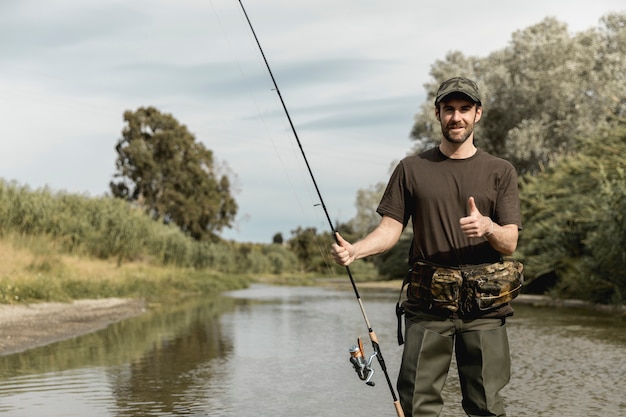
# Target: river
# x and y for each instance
(284, 351)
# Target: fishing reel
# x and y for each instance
(362, 366)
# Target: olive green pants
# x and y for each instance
(483, 362)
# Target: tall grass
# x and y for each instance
(59, 246)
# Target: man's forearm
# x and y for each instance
(503, 238)
(381, 239)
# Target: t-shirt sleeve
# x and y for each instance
(395, 201)
(508, 204)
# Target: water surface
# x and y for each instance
(283, 351)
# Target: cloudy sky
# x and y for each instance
(351, 73)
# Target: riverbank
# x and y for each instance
(29, 326)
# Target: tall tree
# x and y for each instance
(161, 167)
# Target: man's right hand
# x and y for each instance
(342, 251)
(379, 240)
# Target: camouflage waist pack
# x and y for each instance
(465, 288)
(434, 286)
(495, 284)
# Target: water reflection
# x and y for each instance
(279, 351)
(137, 367)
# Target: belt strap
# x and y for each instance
(400, 309)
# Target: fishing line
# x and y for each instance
(287, 172)
(370, 330)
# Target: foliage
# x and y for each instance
(65, 235)
(541, 92)
(164, 170)
(110, 228)
(278, 239)
(392, 264)
(309, 249)
(575, 222)
(367, 218)
(60, 246)
(312, 252)
(34, 270)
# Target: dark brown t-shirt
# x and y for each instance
(433, 190)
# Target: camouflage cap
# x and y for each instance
(460, 85)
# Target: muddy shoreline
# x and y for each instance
(24, 327)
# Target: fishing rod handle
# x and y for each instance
(399, 410)
(373, 336)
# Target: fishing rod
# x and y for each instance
(361, 365)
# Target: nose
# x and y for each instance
(456, 115)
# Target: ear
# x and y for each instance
(437, 114)
(479, 113)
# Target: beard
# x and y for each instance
(457, 137)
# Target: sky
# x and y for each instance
(351, 73)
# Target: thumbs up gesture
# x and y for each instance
(475, 224)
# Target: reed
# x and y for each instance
(59, 246)
(30, 275)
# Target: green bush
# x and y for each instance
(574, 223)
(110, 228)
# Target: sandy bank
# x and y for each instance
(25, 327)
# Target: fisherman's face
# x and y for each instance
(457, 118)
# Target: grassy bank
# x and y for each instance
(59, 246)
(34, 270)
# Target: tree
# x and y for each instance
(305, 244)
(162, 168)
(367, 218)
(575, 222)
(278, 239)
(541, 92)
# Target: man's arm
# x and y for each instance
(503, 238)
(386, 234)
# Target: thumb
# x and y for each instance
(472, 206)
(340, 241)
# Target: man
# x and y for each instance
(464, 208)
